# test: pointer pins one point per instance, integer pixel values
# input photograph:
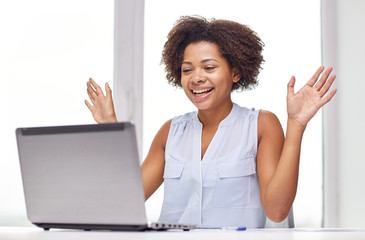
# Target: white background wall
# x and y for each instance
(48, 50)
(344, 47)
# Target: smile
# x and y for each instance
(202, 92)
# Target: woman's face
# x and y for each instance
(206, 76)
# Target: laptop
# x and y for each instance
(84, 177)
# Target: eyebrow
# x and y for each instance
(203, 61)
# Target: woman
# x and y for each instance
(224, 165)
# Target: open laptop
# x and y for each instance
(84, 177)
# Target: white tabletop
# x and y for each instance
(33, 233)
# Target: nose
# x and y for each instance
(198, 78)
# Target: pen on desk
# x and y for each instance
(234, 228)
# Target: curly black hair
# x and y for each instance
(238, 44)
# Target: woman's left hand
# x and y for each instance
(304, 104)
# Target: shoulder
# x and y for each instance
(185, 118)
(268, 123)
(161, 136)
(267, 117)
(244, 111)
(163, 133)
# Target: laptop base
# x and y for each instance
(89, 227)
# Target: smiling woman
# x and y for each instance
(187, 152)
(284, 56)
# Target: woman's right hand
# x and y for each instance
(101, 107)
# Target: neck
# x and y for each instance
(212, 117)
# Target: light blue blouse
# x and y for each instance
(222, 189)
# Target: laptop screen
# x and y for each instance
(82, 174)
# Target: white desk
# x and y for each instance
(33, 233)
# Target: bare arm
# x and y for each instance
(154, 164)
(278, 165)
(278, 158)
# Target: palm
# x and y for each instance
(102, 107)
(304, 104)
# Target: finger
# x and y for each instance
(108, 91)
(328, 98)
(92, 97)
(327, 85)
(95, 86)
(89, 106)
(89, 85)
(92, 93)
(90, 89)
(323, 78)
(314, 78)
(291, 85)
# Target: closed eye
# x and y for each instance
(210, 68)
(186, 70)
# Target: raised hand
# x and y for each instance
(101, 106)
(304, 104)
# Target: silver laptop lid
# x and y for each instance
(83, 174)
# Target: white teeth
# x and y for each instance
(201, 90)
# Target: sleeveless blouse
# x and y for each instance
(222, 189)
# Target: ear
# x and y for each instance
(236, 75)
